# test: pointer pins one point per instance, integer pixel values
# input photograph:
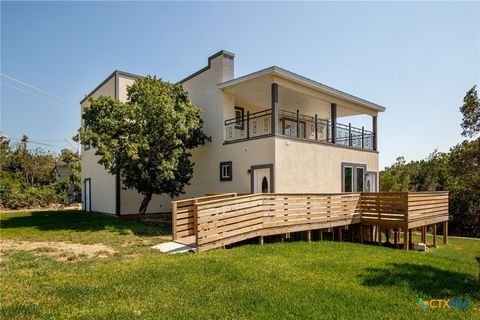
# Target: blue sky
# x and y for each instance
(416, 58)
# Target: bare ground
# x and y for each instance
(61, 251)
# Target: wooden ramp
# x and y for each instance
(216, 221)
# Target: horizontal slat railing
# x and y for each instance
(183, 214)
(226, 221)
(386, 207)
(220, 220)
(427, 207)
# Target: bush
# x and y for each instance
(15, 195)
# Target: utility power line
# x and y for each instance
(32, 93)
(30, 86)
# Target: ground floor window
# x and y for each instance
(226, 171)
(347, 179)
(353, 177)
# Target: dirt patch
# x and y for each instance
(62, 251)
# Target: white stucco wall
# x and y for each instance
(313, 167)
(299, 166)
(102, 183)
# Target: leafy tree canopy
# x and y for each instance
(471, 113)
(456, 171)
(146, 140)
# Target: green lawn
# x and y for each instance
(297, 280)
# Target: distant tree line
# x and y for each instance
(456, 171)
(28, 176)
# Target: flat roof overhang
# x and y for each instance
(255, 87)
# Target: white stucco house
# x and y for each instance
(272, 131)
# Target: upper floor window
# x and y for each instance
(289, 128)
(239, 117)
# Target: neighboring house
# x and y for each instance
(62, 170)
(272, 131)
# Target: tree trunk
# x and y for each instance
(144, 205)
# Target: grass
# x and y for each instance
(297, 280)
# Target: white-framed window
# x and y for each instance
(226, 171)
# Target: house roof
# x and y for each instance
(114, 73)
(274, 70)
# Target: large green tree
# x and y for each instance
(456, 171)
(146, 140)
(471, 113)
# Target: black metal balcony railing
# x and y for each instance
(296, 125)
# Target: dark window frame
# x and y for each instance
(303, 134)
(241, 123)
(354, 167)
(228, 177)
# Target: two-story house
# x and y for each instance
(272, 131)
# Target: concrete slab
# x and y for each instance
(173, 247)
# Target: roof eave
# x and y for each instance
(291, 75)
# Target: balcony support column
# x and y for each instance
(298, 124)
(316, 127)
(274, 108)
(374, 129)
(350, 134)
(248, 124)
(333, 118)
(363, 137)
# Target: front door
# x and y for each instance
(87, 201)
(371, 182)
(261, 180)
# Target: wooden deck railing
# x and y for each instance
(226, 221)
(219, 220)
(183, 214)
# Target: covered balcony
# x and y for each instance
(300, 108)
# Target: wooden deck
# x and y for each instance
(220, 220)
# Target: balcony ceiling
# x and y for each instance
(295, 93)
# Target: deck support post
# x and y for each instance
(445, 232)
(174, 221)
(395, 237)
(260, 240)
(339, 235)
(424, 234)
(361, 233)
(434, 234)
(387, 235)
(320, 234)
(410, 237)
(309, 235)
(379, 235)
(371, 234)
(405, 240)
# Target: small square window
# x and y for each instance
(226, 171)
(239, 117)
